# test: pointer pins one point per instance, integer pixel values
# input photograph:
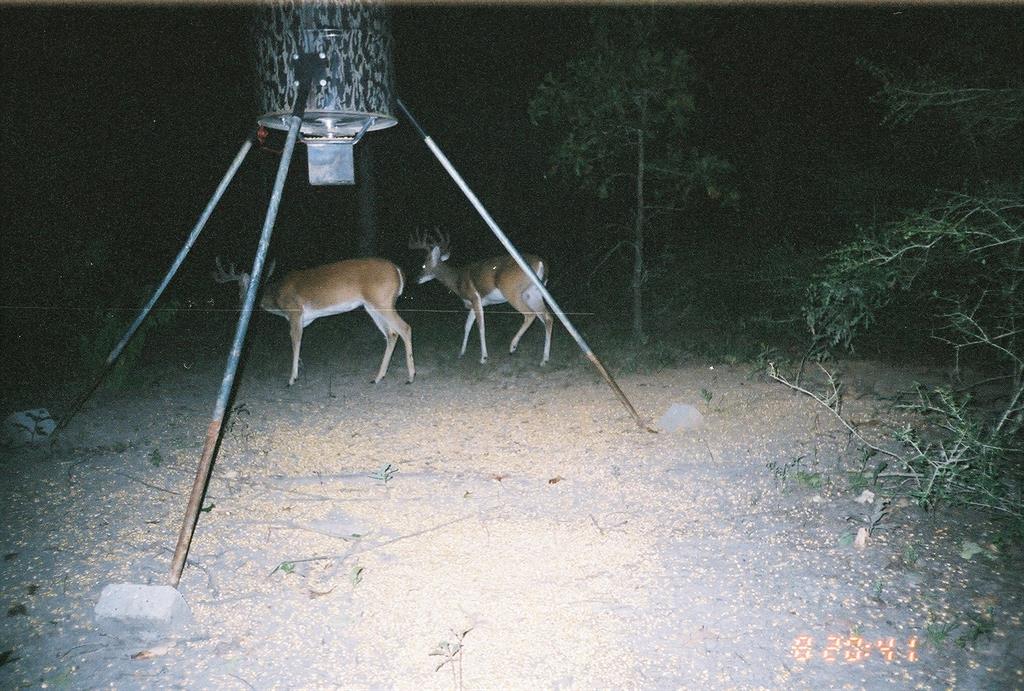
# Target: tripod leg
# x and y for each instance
(306, 71)
(525, 266)
(213, 430)
(193, 236)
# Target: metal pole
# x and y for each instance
(525, 266)
(193, 236)
(307, 66)
(213, 430)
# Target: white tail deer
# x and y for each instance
(303, 296)
(488, 282)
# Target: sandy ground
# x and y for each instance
(528, 518)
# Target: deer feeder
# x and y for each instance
(325, 77)
(353, 91)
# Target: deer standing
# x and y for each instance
(303, 296)
(488, 282)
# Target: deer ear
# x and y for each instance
(435, 254)
(444, 257)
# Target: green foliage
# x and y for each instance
(961, 457)
(624, 109)
(620, 91)
(620, 87)
(979, 626)
(102, 330)
(385, 474)
(625, 356)
(936, 634)
(841, 303)
(781, 470)
(960, 263)
(723, 306)
(808, 480)
(984, 103)
(960, 259)
(910, 555)
(451, 653)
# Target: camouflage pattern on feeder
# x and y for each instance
(354, 36)
(353, 92)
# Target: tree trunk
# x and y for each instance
(638, 246)
(367, 200)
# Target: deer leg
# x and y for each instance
(479, 309)
(398, 326)
(527, 320)
(536, 303)
(531, 304)
(295, 321)
(390, 335)
(470, 318)
(536, 300)
(405, 331)
(549, 323)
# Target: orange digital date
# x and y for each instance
(853, 648)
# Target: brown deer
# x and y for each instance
(303, 296)
(488, 282)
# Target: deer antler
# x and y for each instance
(225, 276)
(230, 275)
(420, 240)
(428, 240)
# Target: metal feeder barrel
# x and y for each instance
(358, 87)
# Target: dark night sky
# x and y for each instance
(119, 121)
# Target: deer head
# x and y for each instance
(230, 275)
(437, 246)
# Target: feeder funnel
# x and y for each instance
(353, 92)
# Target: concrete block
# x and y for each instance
(143, 612)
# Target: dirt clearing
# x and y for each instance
(498, 526)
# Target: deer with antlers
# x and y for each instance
(487, 282)
(303, 296)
